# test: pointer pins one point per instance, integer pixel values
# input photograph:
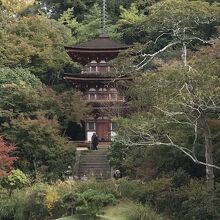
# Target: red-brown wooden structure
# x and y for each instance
(98, 84)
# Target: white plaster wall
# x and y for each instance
(113, 134)
(89, 135)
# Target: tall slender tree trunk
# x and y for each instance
(184, 55)
(35, 168)
(209, 156)
(209, 159)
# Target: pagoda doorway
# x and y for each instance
(76, 132)
(102, 130)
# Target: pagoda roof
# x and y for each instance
(103, 42)
(94, 77)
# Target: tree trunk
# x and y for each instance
(209, 156)
(35, 168)
(184, 55)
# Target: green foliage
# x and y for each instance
(89, 28)
(192, 14)
(143, 212)
(15, 180)
(129, 24)
(165, 102)
(106, 187)
(147, 163)
(191, 200)
(152, 192)
(29, 118)
(17, 6)
(81, 8)
(130, 16)
(18, 76)
(197, 202)
(33, 45)
(41, 146)
(43, 201)
(91, 201)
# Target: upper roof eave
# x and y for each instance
(100, 43)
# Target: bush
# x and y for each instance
(6, 209)
(143, 212)
(91, 201)
(180, 178)
(153, 192)
(43, 201)
(15, 180)
(197, 202)
(130, 189)
(108, 186)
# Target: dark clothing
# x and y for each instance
(95, 142)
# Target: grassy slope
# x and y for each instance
(117, 212)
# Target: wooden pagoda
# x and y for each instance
(98, 84)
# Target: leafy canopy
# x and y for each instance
(18, 76)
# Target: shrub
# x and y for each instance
(180, 178)
(153, 192)
(15, 180)
(143, 212)
(197, 202)
(35, 207)
(6, 209)
(130, 189)
(86, 203)
(109, 186)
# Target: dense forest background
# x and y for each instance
(171, 138)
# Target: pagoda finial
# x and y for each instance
(104, 18)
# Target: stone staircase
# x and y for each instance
(94, 163)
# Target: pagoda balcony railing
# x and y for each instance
(103, 101)
(106, 98)
(96, 69)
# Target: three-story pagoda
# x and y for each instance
(98, 84)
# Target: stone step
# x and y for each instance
(94, 153)
(94, 163)
(94, 173)
(89, 157)
(93, 157)
(98, 171)
(104, 167)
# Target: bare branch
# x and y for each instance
(151, 56)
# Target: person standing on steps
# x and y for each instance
(95, 141)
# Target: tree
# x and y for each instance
(176, 109)
(15, 6)
(90, 27)
(36, 117)
(18, 76)
(6, 161)
(15, 180)
(173, 24)
(33, 45)
(55, 8)
(41, 147)
(130, 25)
